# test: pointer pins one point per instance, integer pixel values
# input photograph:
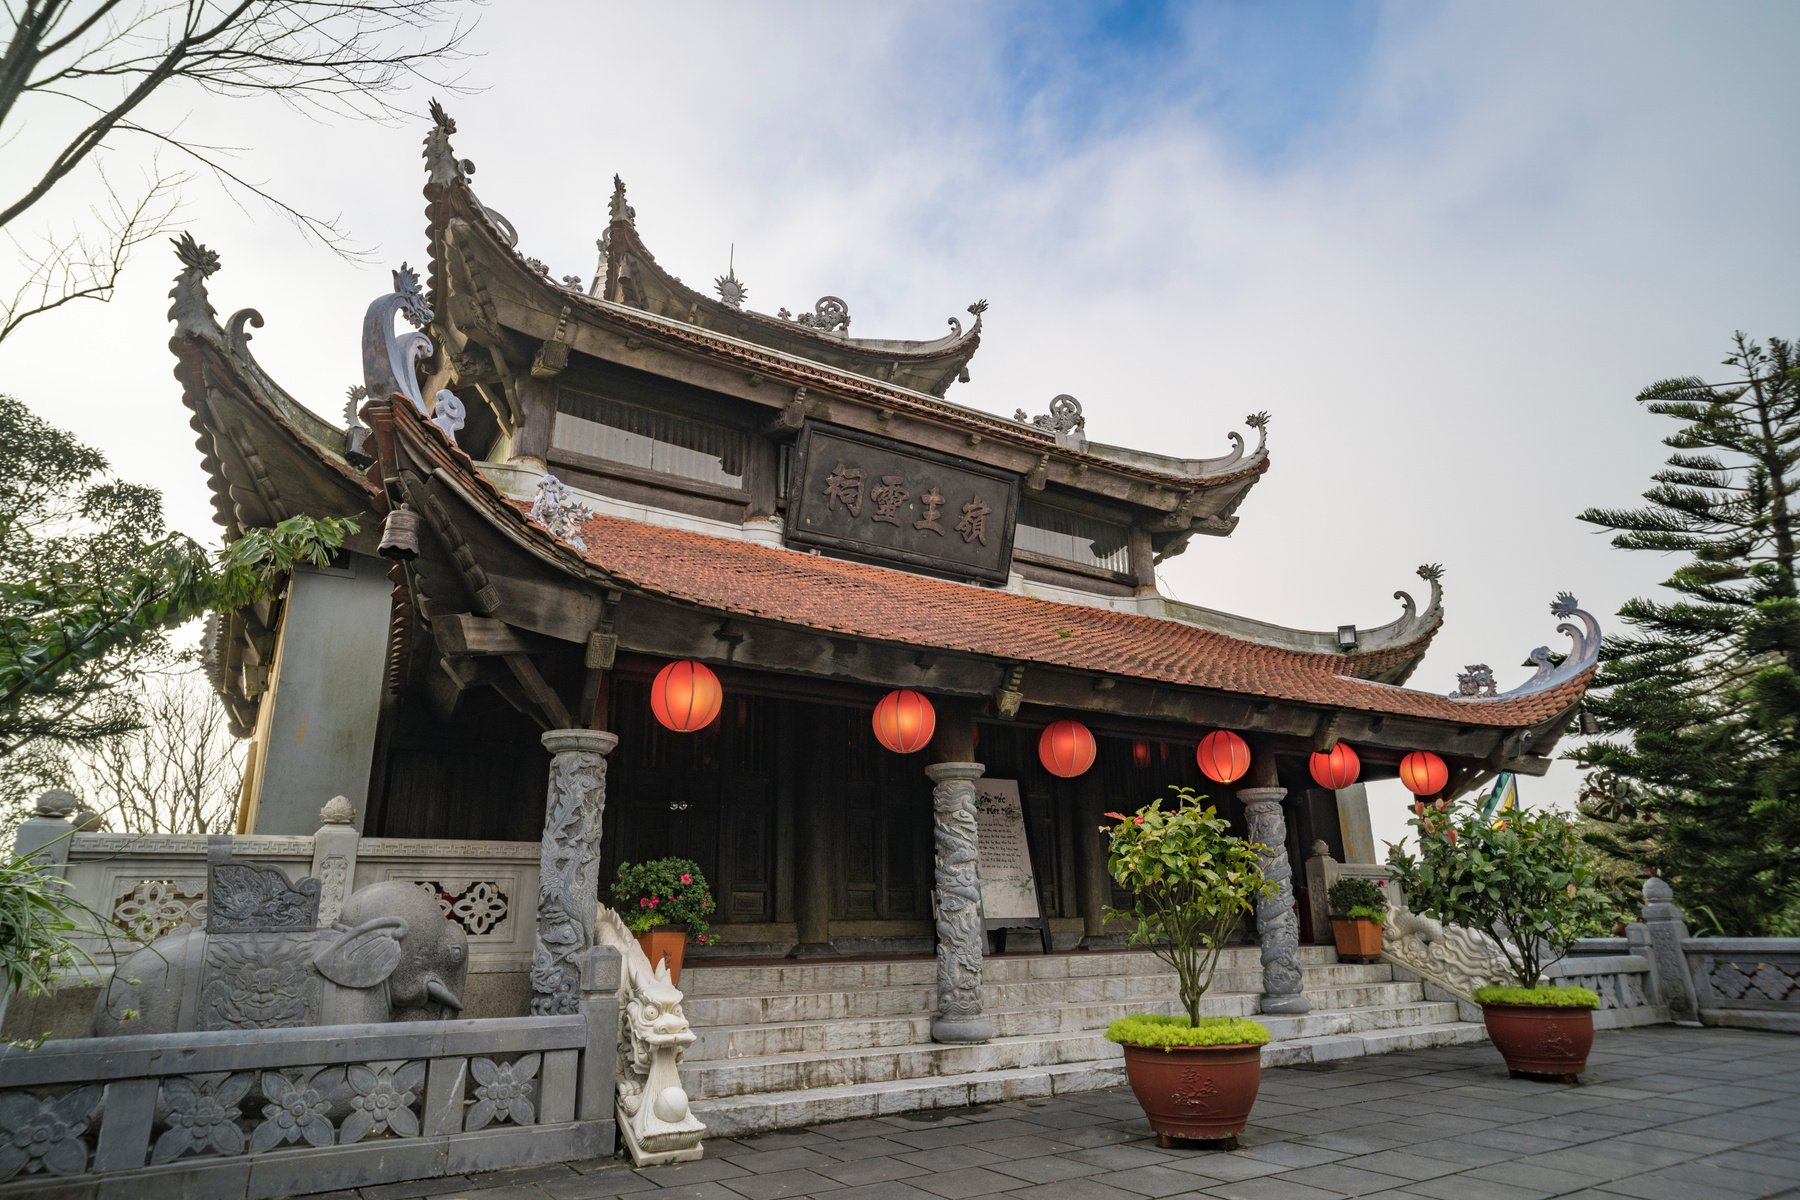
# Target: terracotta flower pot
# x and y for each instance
(1195, 1093)
(665, 941)
(1539, 1040)
(1357, 939)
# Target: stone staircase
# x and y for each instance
(796, 1043)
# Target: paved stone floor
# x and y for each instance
(1662, 1112)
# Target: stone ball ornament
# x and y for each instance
(904, 721)
(1337, 768)
(1067, 749)
(686, 696)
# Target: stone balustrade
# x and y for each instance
(272, 1112)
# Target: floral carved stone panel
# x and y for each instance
(152, 907)
(480, 907)
(46, 1136)
(503, 1092)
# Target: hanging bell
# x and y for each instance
(400, 534)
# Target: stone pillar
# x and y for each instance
(334, 857)
(959, 930)
(1090, 861)
(1667, 929)
(1354, 826)
(569, 869)
(1276, 925)
(812, 861)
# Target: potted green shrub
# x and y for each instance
(664, 901)
(1358, 908)
(1527, 882)
(1191, 881)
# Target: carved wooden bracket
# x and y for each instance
(1011, 693)
(553, 356)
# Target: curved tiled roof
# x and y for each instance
(881, 604)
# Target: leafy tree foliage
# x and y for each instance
(90, 580)
(1699, 780)
(1191, 882)
(1526, 881)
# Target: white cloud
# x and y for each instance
(1446, 292)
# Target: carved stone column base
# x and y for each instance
(1285, 1005)
(972, 1029)
(814, 950)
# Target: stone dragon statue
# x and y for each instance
(653, 1112)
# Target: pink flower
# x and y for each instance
(1137, 820)
(653, 902)
(701, 938)
(1381, 883)
(687, 879)
(643, 903)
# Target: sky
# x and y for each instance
(1444, 244)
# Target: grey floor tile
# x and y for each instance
(880, 1169)
(1153, 1180)
(778, 1185)
(1344, 1177)
(1048, 1169)
(1273, 1187)
(969, 1181)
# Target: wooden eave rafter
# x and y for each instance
(541, 588)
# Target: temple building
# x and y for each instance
(563, 485)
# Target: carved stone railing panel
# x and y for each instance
(304, 1105)
(654, 1118)
(1746, 981)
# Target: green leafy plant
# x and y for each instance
(1357, 898)
(1159, 1029)
(1539, 997)
(664, 891)
(1526, 881)
(1191, 881)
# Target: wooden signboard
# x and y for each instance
(886, 501)
(1009, 898)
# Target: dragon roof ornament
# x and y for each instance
(616, 208)
(192, 311)
(1476, 684)
(441, 164)
(389, 359)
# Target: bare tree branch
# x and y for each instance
(324, 58)
(86, 264)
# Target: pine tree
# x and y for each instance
(1703, 694)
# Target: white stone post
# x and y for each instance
(569, 868)
(1276, 926)
(959, 928)
(1667, 930)
(334, 857)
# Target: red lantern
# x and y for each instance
(1424, 773)
(904, 721)
(1337, 769)
(1140, 754)
(1223, 756)
(686, 696)
(1066, 749)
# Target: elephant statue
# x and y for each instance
(391, 955)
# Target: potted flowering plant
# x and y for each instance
(1191, 881)
(664, 902)
(1526, 882)
(1358, 908)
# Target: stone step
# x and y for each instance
(789, 976)
(1375, 1041)
(713, 1079)
(829, 1037)
(737, 1116)
(1143, 990)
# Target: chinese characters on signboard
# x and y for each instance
(882, 499)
